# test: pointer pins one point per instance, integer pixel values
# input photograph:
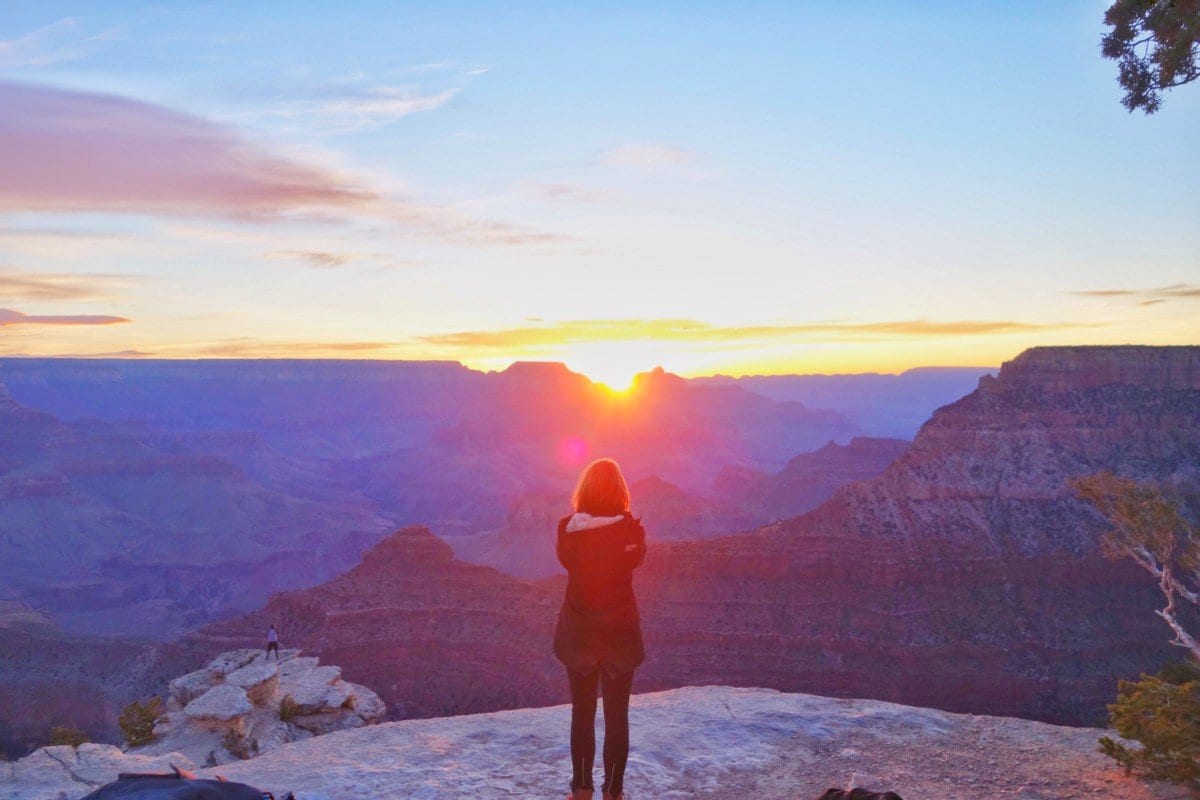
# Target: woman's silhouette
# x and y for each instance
(599, 634)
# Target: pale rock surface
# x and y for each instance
(66, 773)
(241, 691)
(700, 743)
(221, 704)
(187, 688)
(259, 680)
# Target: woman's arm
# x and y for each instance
(635, 545)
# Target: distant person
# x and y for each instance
(599, 634)
(272, 642)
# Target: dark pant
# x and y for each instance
(616, 690)
(273, 646)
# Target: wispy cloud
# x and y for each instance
(314, 258)
(70, 151)
(53, 44)
(1146, 297)
(449, 224)
(685, 330)
(571, 193)
(57, 286)
(256, 348)
(10, 317)
(365, 109)
(647, 156)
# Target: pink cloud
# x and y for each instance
(10, 317)
(72, 151)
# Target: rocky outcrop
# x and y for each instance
(243, 704)
(707, 743)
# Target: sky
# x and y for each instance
(711, 187)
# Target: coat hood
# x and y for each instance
(581, 521)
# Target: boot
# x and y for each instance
(581, 794)
(608, 796)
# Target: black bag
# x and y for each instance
(177, 785)
(858, 794)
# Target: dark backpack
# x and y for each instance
(177, 785)
(858, 794)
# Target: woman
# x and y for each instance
(599, 634)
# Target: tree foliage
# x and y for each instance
(61, 734)
(137, 721)
(1155, 44)
(1151, 528)
(1159, 712)
(1162, 713)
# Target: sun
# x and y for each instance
(613, 364)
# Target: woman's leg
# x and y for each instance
(583, 727)
(616, 689)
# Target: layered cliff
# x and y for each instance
(965, 576)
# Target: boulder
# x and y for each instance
(187, 688)
(367, 705)
(316, 690)
(219, 706)
(260, 680)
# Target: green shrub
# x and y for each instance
(61, 734)
(288, 709)
(1162, 713)
(239, 745)
(137, 721)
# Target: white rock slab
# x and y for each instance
(187, 688)
(221, 704)
(260, 680)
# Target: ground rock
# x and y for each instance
(695, 743)
(65, 773)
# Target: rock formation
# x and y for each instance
(242, 705)
(706, 743)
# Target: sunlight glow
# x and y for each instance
(614, 364)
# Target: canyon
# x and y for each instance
(964, 577)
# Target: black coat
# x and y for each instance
(599, 624)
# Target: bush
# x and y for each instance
(137, 721)
(239, 745)
(61, 734)
(288, 709)
(1162, 713)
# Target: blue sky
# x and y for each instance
(712, 186)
